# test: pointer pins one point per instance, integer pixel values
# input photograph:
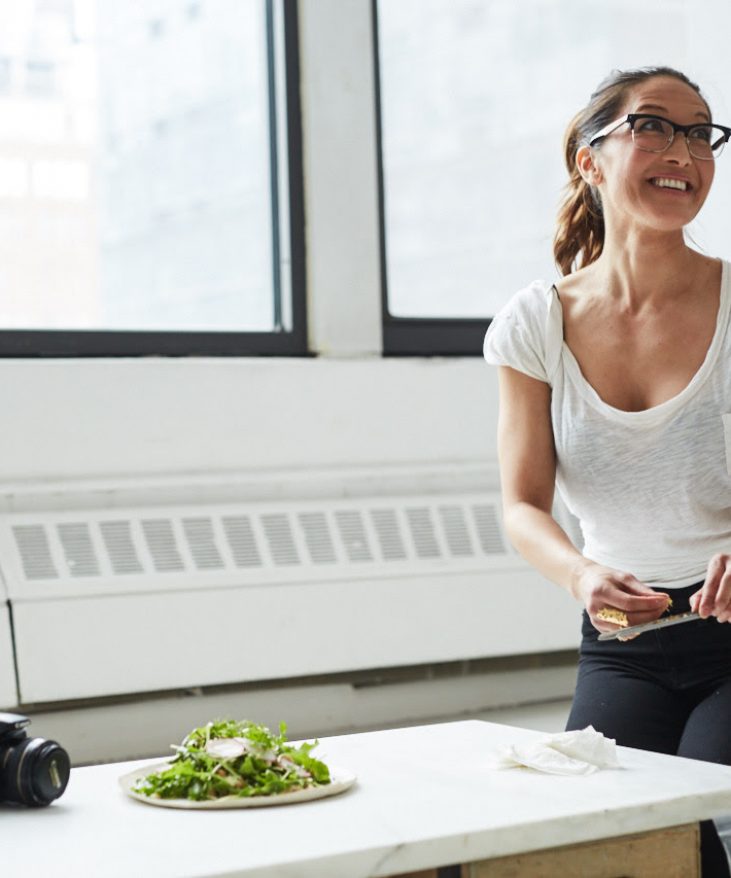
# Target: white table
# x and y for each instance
(425, 797)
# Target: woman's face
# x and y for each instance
(629, 178)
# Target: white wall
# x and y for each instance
(76, 419)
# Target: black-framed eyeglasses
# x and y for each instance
(655, 134)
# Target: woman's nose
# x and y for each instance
(679, 149)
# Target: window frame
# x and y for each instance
(415, 336)
(48, 343)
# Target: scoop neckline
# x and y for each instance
(675, 402)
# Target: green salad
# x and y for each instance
(229, 758)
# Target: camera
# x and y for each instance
(33, 771)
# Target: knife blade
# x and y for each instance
(664, 622)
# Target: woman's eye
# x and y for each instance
(701, 133)
(650, 125)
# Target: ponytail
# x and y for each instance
(579, 237)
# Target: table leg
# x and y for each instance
(662, 853)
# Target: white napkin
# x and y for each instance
(582, 752)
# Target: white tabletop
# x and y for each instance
(425, 796)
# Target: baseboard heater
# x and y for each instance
(140, 599)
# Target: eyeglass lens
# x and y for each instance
(656, 135)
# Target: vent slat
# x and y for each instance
(422, 532)
(241, 540)
(455, 531)
(279, 536)
(35, 552)
(353, 535)
(78, 549)
(317, 537)
(488, 529)
(202, 542)
(160, 540)
(117, 537)
(387, 530)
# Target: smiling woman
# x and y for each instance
(613, 386)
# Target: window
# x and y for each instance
(474, 98)
(150, 179)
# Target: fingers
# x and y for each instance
(603, 621)
(620, 592)
(645, 604)
(632, 586)
(639, 618)
(649, 603)
(714, 574)
(714, 598)
(722, 608)
(633, 596)
(603, 588)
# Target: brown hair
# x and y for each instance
(579, 235)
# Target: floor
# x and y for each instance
(549, 716)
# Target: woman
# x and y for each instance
(613, 386)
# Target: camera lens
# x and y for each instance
(34, 772)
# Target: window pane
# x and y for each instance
(135, 166)
(475, 97)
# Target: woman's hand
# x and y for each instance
(601, 587)
(714, 598)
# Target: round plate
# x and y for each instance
(340, 781)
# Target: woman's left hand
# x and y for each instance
(714, 598)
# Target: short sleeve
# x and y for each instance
(521, 333)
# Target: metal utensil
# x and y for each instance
(664, 622)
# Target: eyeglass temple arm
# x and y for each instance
(607, 130)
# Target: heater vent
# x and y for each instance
(175, 548)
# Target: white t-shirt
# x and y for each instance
(651, 489)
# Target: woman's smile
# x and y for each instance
(676, 184)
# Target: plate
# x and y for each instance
(340, 781)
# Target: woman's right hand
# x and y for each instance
(600, 588)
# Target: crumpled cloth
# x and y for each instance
(570, 753)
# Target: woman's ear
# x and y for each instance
(587, 167)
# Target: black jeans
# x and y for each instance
(668, 691)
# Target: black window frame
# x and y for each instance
(62, 343)
(415, 336)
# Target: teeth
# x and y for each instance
(669, 183)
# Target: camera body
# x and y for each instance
(33, 771)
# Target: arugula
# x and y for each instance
(230, 758)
